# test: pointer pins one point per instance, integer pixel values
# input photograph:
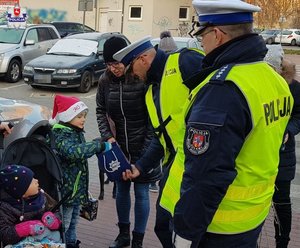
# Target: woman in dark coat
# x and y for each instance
(123, 101)
(287, 162)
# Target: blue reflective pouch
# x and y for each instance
(113, 162)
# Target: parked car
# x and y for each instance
(269, 35)
(182, 42)
(19, 46)
(68, 28)
(288, 36)
(73, 62)
(27, 118)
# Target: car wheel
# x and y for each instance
(86, 82)
(293, 42)
(14, 71)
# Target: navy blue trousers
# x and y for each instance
(163, 222)
(241, 240)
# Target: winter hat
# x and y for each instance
(65, 108)
(167, 42)
(111, 46)
(15, 180)
(274, 56)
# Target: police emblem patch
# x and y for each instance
(197, 141)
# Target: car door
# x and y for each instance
(32, 50)
(286, 36)
(45, 40)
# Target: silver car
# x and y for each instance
(269, 35)
(182, 42)
(27, 119)
(20, 45)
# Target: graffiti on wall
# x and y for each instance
(164, 23)
(45, 15)
(183, 29)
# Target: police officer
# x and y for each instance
(168, 78)
(221, 183)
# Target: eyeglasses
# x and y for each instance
(115, 64)
(129, 67)
(202, 35)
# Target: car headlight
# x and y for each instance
(28, 68)
(66, 71)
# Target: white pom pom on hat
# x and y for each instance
(274, 56)
(65, 108)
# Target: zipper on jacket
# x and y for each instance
(125, 121)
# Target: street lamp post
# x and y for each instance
(281, 20)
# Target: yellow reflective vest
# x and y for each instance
(247, 201)
(172, 95)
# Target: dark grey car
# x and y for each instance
(73, 62)
(69, 28)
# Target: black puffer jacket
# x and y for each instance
(287, 164)
(123, 100)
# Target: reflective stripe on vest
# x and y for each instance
(248, 199)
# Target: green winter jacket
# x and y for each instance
(73, 152)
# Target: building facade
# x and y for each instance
(134, 18)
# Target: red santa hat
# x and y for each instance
(65, 108)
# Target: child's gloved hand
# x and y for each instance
(51, 221)
(107, 146)
(29, 228)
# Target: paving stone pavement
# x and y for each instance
(103, 230)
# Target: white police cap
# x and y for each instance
(223, 12)
(129, 53)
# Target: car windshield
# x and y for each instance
(11, 35)
(74, 47)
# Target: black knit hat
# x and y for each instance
(15, 180)
(111, 46)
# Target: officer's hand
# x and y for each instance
(131, 174)
(180, 242)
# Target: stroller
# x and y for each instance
(32, 151)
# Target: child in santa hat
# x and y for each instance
(24, 208)
(68, 119)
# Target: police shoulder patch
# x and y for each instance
(197, 141)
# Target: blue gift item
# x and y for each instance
(113, 162)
